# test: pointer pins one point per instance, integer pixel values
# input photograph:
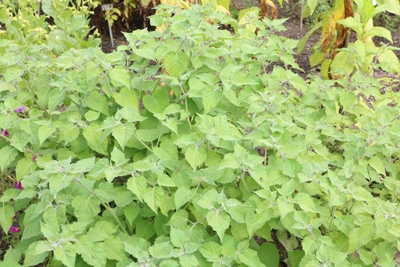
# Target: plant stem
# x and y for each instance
(104, 204)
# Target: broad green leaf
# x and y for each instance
(32, 221)
(389, 62)
(316, 58)
(98, 102)
(348, 100)
(360, 237)
(91, 115)
(83, 165)
(226, 130)
(156, 102)
(24, 167)
(120, 76)
(179, 237)
(208, 199)
(176, 63)
(114, 248)
(6, 217)
(33, 256)
(137, 247)
(144, 229)
(377, 164)
(379, 31)
(163, 250)
(294, 257)
(196, 156)
(59, 181)
(250, 258)
(86, 207)
(126, 98)
(305, 202)
(342, 65)
(182, 196)
(188, 260)
(69, 133)
(284, 206)
(211, 251)
(123, 132)
(66, 254)
(219, 221)
(210, 98)
(153, 197)
(138, 186)
(44, 132)
(269, 254)
(92, 252)
(93, 136)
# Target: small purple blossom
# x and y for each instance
(18, 185)
(20, 109)
(14, 228)
(6, 133)
(34, 158)
(1, 75)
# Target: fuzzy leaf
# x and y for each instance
(86, 207)
(219, 221)
(176, 63)
(6, 217)
(120, 76)
(182, 196)
(127, 98)
(153, 197)
(92, 252)
(98, 102)
(44, 132)
(138, 186)
(66, 254)
(196, 156)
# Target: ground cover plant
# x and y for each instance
(190, 146)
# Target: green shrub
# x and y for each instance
(179, 148)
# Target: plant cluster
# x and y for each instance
(192, 146)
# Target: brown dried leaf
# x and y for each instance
(348, 7)
(341, 36)
(264, 5)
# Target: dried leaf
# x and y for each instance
(265, 4)
(348, 8)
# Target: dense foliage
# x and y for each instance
(191, 146)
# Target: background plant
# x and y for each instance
(363, 54)
(180, 148)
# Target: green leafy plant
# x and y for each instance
(187, 145)
(337, 57)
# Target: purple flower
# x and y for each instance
(6, 133)
(34, 158)
(1, 75)
(18, 185)
(14, 228)
(19, 109)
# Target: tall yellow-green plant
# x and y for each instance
(337, 57)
